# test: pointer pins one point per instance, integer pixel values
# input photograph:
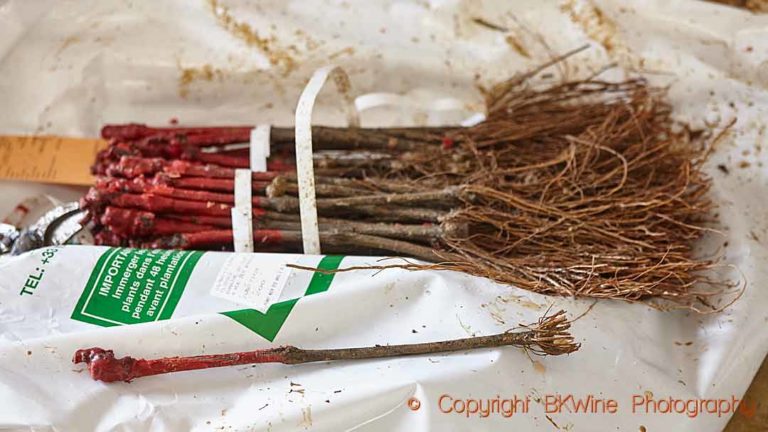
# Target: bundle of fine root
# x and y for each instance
(582, 189)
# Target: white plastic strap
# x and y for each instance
(242, 212)
(260, 147)
(304, 169)
(473, 120)
(369, 101)
(374, 100)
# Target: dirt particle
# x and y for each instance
(192, 74)
(244, 32)
(306, 417)
(346, 51)
(489, 25)
(552, 421)
(518, 46)
(600, 28)
(66, 43)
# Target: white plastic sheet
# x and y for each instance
(68, 67)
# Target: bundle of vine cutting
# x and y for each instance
(578, 188)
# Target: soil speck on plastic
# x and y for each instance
(306, 414)
(246, 33)
(518, 46)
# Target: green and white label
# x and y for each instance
(131, 286)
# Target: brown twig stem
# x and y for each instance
(549, 336)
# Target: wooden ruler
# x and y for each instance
(48, 159)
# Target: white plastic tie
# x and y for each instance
(260, 148)
(242, 212)
(304, 162)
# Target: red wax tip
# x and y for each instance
(447, 143)
(103, 366)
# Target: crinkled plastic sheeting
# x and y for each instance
(69, 67)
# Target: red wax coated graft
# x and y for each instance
(214, 221)
(154, 147)
(134, 166)
(178, 168)
(208, 239)
(274, 163)
(203, 183)
(120, 149)
(103, 365)
(126, 223)
(129, 131)
(191, 195)
(224, 160)
(134, 131)
(215, 138)
(111, 188)
(130, 223)
(213, 184)
(135, 223)
(160, 204)
(159, 186)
